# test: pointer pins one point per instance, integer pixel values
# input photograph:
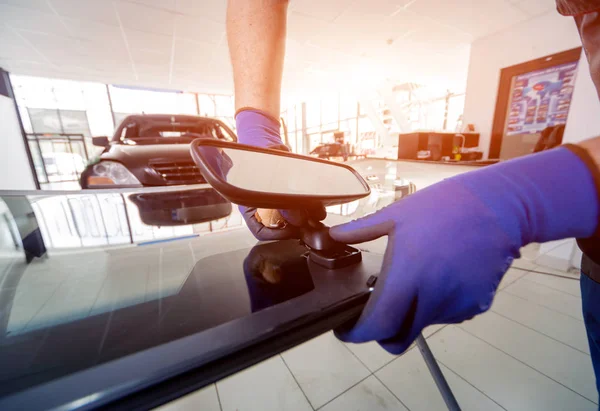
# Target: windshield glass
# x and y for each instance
(172, 131)
(86, 304)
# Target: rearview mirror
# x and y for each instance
(100, 141)
(265, 178)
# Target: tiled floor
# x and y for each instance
(529, 352)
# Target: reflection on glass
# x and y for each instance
(276, 272)
(275, 174)
(90, 219)
(181, 208)
(131, 313)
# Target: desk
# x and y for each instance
(410, 143)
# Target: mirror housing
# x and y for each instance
(101, 141)
(266, 178)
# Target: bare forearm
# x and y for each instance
(256, 37)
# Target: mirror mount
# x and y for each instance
(274, 179)
(324, 250)
(101, 141)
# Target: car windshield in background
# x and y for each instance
(173, 132)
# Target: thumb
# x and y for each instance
(364, 229)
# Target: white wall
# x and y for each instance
(15, 171)
(584, 116)
(547, 34)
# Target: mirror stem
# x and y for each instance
(316, 237)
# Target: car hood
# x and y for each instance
(144, 153)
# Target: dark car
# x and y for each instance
(151, 150)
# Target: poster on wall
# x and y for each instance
(540, 99)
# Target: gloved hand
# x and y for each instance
(257, 128)
(450, 244)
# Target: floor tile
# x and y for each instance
(205, 399)
(27, 303)
(563, 364)
(123, 287)
(548, 270)
(71, 301)
(409, 379)
(512, 275)
(507, 381)
(324, 368)
(547, 297)
(164, 288)
(374, 357)
(264, 387)
(530, 251)
(371, 354)
(551, 323)
(523, 263)
(566, 285)
(368, 395)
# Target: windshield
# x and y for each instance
(172, 132)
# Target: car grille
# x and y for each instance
(178, 172)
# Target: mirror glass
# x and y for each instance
(280, 174)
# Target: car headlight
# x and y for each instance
(111, 173)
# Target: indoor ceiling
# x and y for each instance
(181, 44)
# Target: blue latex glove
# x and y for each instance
(450, 244)
(257, 128)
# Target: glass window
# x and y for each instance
(224, 106)
(288, 117)
(292, 141)
(98, 109)
(315, 141)
(34, 92)
(45, 120)
(329, 126)
(124, 100)
(68, 94)
(313, 114)
(327, 138)
(349, 127)
(157, 102)
(207, 105)
(75, 122)
(361, 109)
(313, 130)
(25, 119)
(119, 117)
(347, 106)
(186, 103)
(434, 119)
(456, 107)
(298, 116)
(329, 107)
(365, 125)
